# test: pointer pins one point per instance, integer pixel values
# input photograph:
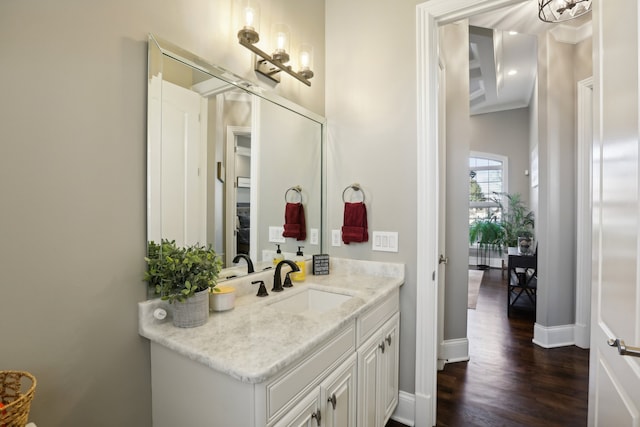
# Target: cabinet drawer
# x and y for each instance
(307, 374)
(373, 319)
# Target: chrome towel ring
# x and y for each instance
(296, 189)
(356, 188)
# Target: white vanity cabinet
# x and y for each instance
(378, 373)
(349, 378)
(332, 404)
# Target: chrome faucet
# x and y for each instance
(246, 258)
(277, 279)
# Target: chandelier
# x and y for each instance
(562, 10)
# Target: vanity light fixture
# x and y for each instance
(271, 65)
(562, 10)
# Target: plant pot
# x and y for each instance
(193, 311)
(524, 245)
(223, 300)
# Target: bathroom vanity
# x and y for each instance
(323, 353)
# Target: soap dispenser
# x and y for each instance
(299, 276)
(278, 256)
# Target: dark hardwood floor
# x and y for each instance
(510, 381)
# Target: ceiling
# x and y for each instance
(503, 54)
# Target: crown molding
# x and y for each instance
(573, 35)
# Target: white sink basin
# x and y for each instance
(310, 301)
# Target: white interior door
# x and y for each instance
(184, 185)
(614, 392)
(231, 188)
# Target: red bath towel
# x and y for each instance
(294, 225)
(354, 228)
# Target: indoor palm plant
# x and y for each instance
(489, 235)
(183, 276)
(518, 223)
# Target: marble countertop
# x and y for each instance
(253, 342)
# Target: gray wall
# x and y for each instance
(566, 63)
(371, 111)
(453, 39)
(506, 133)
(73, 187)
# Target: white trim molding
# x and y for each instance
(572, 35)
(406, 409)
(584, 209)
(456, 350)
(553, 336)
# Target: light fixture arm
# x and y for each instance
(266, 57)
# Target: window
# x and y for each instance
(487, 182)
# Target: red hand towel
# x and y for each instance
(294, 225)
(354, 228)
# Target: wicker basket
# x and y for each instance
(16, 401)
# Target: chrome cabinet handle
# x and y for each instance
(332, 399)
(317, 416)
(388, 339)
(381, 346)
(623, 349)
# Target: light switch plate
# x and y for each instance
(336, 238)
(275, 235)
(313, 236)
(385, 241)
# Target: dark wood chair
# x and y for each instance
(522, 280)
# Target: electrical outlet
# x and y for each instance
(336, 238)
(313, 236)
(385, 241)
(275, 235)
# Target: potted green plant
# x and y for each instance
(488, 235)
(518, 223)
(183, 276)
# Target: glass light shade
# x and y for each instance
(306, 61)
(248, 21)
(250, 15)
(562, 10)
(306, 57)
(281, 36)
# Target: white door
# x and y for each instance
(614, 392)
(184, 184)
(231, 187)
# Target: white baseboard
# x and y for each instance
(406, 409)
(582, 336)
(553, 336)
(456, 350)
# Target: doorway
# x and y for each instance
(430, 16)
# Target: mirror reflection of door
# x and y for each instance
(184, 185)
(238, 191)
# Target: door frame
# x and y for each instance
(429, 16)
(231, 185)
(584, 204)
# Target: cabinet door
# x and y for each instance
(304, 414)
(339, 396)
(389, 368)
(378, 375)
(368, 356)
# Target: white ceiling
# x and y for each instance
(505, 40)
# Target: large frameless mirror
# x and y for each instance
(222, 155)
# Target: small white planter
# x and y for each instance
(223, 300)
(192, 312)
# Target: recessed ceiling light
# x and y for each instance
(512, 72)
(513, 33)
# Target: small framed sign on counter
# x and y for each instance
(320, 264)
